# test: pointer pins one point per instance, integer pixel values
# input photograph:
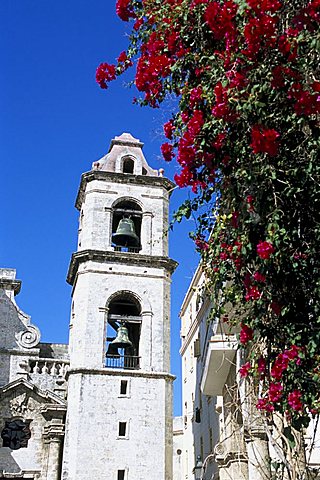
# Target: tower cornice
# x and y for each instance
(120, 258)
(126, 178)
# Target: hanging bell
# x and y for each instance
(122, 338)
(112, 351)
(125, 235)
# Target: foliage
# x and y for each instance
(246, 76)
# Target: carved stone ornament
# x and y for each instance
(18, 404)
(29, 338)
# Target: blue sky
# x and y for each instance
(54, 122)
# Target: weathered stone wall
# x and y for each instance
(96, 213)
(94, 448)
(96, 283)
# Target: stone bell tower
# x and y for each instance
(119, 419)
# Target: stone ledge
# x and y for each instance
(9, 284)
(103, 256)
(116, 177)
(120, 373)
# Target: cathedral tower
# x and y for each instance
(119, 420)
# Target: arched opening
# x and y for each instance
(126, 226)
(128, 165)
(123, 332)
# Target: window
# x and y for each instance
(123, 334)
(16, 434)
(121, 474)
(196, 346)
(128, 165)
(123, 387)
(122, 429)
(126, 226)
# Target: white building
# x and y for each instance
(223, 431)
(110, 417)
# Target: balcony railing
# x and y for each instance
(123, 361)
(118, 248)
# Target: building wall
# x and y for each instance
(97, 407)
(200, 416)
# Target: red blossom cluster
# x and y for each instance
(306, 103)
(220, 19)
(167, 151)
(282, 361)
(105, 73)
(294, 400)
(245, 369)
(264, 140)
(246, 334)
(215, 81)
(201, 243)
(124, 10)
(265, 250)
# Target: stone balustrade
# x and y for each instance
(49, 366)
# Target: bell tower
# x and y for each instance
(119, 418)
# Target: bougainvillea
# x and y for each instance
(246, 135)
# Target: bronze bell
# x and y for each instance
(125, 235)
(112, 351)
(122, 338)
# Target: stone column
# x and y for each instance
(108, 220)
(53, 435)
(146, 233)
(54, 456)
(258, 455)
(145, 347)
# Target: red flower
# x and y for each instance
(294, 400)
(244, 370)
(275, 392)
(252, 294)
(259, 6)
(220, 19)
(138, 24)
(122, 57)
(124, 10)
(263, 404)
(258, 277)
(246, 334)
(265, 249)
(262, 365)
(201, 243)
(195, 123)
(168, 129)
(264, 140)
(279, 366)
(221, 108)
(219, 141)
(167, 151)
(185, 177)
(306, 103)
(195, 96)
(105, 73)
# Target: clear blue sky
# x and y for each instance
(54, 122)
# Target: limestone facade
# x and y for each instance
(32, 392)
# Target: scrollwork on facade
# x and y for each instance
(28, 338)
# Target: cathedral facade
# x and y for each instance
(101, 406)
